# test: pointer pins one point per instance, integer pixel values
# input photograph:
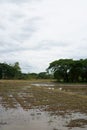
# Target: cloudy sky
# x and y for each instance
(37, 32)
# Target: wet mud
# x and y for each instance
(42, 106)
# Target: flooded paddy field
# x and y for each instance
(42, 105)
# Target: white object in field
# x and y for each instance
(60, 89)
(51, 88)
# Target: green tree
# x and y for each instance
(76, 71)
(9, 71)
(17, 70)
(84, 70)
(69, 70)
(44, 75)
(61, 69)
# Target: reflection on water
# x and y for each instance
(34, 119)
(38, 107)
(18, 119)
(43, 84)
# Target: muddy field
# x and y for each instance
(42, 105)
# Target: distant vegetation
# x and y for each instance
(63, 70)
(41, 75)
(8, 71)
(13, 71)
(69, 70)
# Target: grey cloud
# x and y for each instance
(20, 37)
(14, 1)
(27, 67)
(12, 47)
(19, 29)
(16, 17)
(26, 31)
(2, 27)
(7, 47)
(45, 45)
(16, 27)
(30, 24)
(17, 1)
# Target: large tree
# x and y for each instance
(8, 71)
(69, 70)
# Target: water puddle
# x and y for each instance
(43, 84)
(38, 108)
(34, 119)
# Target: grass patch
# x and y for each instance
(77, 123)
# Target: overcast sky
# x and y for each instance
(37, 32)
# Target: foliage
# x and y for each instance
(44, 75)
(41, 75)
(32, 76)
(69, 70)
(9, 71)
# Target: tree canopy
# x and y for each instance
(69, 70)
(13, 71)
(8, 71)
(64, 70)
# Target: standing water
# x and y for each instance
(23, 109)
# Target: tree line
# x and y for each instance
(64, 70)
(10, 71)
(13, 71)
(69, 70)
